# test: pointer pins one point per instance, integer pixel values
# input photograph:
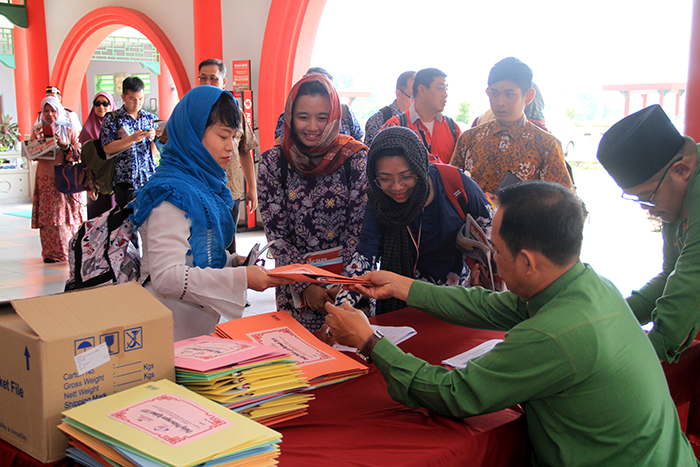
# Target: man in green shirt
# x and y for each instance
(658, 168)
(574, 356)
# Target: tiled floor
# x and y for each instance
(23, 274)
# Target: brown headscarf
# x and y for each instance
(334, 147)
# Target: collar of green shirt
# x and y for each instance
(541, 299)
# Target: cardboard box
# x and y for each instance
(39, 340)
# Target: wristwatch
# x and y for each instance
(368, 346)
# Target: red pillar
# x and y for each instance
(208, 36)
(85, 101)
(286, 54)
(627, 102)
(31, 53)
(25, 114)
(167, 96)
(692, 96)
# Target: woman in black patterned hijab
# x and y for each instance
(411, 225)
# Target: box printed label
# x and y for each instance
(133, 339)
(85, 344)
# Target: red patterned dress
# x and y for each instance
(57, 216)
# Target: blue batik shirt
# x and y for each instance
(136, 164)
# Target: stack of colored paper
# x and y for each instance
(163, 424)
(258, 381)
(321, 363)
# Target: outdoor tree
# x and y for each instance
(464, 112)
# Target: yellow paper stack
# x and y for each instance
(164, 424)
(260, 382)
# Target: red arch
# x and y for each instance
(286, 55)
(82, 40)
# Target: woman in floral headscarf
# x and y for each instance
(57, 215)
(312, 191)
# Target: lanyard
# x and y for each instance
(416, 243)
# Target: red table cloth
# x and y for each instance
(357, 423)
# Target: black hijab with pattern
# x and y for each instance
(398, 253)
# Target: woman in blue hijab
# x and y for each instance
(183, 214)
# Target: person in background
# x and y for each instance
(534, 111)
(183, 214)
(657, 167)
(573, 356)
(438, 132)
(58, 216)
(411, 225)
(404, 99)
(213, 72)
(348, 122)
(130, 134)
(102, 103)
(53, 91)
(510, 143)
(312, 188)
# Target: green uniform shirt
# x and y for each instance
(672, 299)
(574, 356)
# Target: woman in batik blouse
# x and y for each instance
(312, 193)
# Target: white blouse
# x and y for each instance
(196, 296)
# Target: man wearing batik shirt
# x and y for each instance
(129, 134)
(510, 143)
(404, 99)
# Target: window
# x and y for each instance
(146, 78)
(105, 83)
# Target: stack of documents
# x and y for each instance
(163, 424)
(314, 275)
(321, 363)
(255, 380)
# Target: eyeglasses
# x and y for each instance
(101, 103)
(203, 79)
(402, 92)
(408, 181)
(648, 203)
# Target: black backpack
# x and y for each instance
(100, 170)
(386, 113)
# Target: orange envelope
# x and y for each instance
(320, 363)
(313, 274)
